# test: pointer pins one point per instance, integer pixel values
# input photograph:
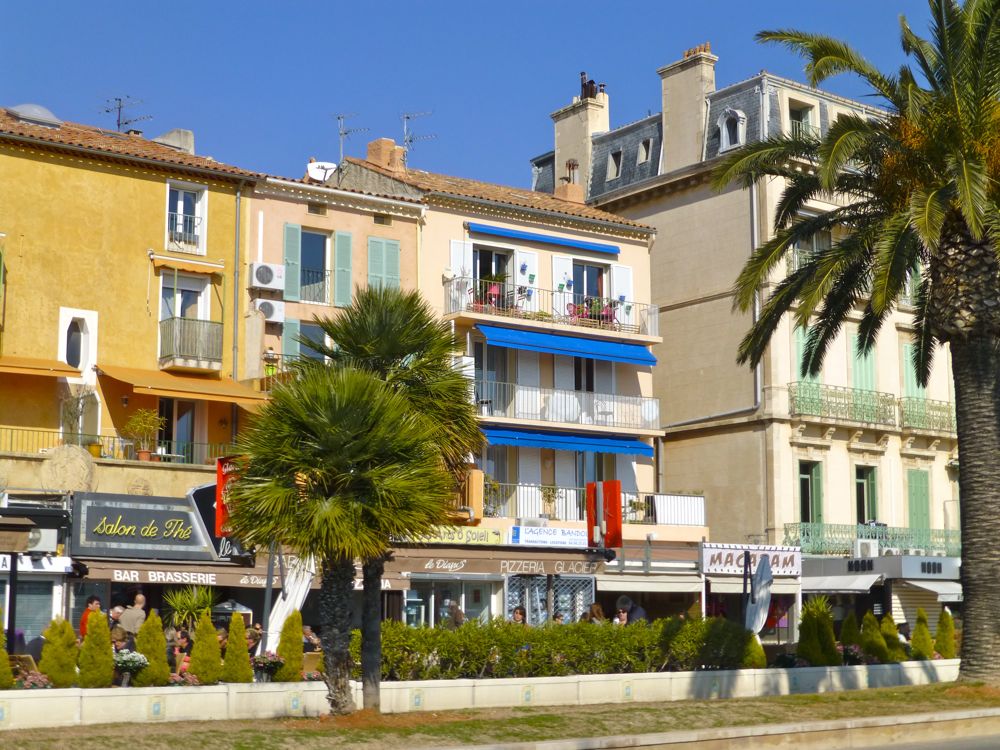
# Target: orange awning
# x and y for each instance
(156, 383)
(52, 368)
(187, 265)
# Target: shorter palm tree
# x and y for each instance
(335, 464)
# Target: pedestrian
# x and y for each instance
(628, 612)
(93, 605)
(134, 615)
(557, 618)
(455, 617)
(115, 615)
(595, 614)
(519, 616)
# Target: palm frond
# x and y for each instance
(922, 51)
(928, 209)
(755, 160)
(840, 299)
(845, 137)
(924, 340)
(755, 342)
(972, 182)
(895, 255)
(801, 189)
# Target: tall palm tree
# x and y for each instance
(396, 336)
(917, 190)
(337, 463)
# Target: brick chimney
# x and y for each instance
(685, 85)
(570, 191)
(575, 126)
(385, 153)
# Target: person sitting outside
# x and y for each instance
(310, 641)
(121, 640)
(223, 637)
(595, 614)
(134, 615)
(253, 640)
(628, 612)
(557, 618)
(93, 605)
(455, 617)
(519, 616)
(114, 616)
(179, 656)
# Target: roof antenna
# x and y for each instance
(408, 137)
(345, 133)
(118, 104)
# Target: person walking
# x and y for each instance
(134, 616)
(93, 605)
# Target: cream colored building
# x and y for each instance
(815, 462)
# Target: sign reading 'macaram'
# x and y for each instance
(727, 559)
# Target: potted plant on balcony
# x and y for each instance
(489, 291)
(143, 427)
(549, 502)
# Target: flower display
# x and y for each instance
(185, 679)
(267, 662)
(130, 662)
(33, 681)
(312, 676)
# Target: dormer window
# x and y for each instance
(645, 146)
(614, 165)
(732, 129)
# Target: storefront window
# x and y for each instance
(427, 602)
(34, 606)
(571, 597)
(79, 592)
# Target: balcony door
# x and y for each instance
(490, 264)
(493, 392)
(811, 491)
(181, 427)
(588, 282)
(918, 495)
(183, 296)
(865, 495)
(315, 268)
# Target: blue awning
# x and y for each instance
(548, 239)
(567, 441)
(571, 346)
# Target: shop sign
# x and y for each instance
(459, 535)
(167, 528)
(728, 559)
(512, 566)
(548, 536)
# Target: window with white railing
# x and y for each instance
(186, 211)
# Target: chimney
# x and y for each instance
(569, 191)
(385, 153)
(685, 85)
(576, 125)
(134, 131)
(179, 138)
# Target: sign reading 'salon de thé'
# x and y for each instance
(138, 526)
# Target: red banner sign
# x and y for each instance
(611, 494)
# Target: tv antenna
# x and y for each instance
(408, 137)
(346, 133)
(118, 104)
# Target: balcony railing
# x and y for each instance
(515, 401)
(188, 338)
(509, 300)
(848, 404)
(804, 129)
(277, 369)
(924, 414)
(839, 539)
(315, 286)
(112, 447)
(183, 231)
(503, 500)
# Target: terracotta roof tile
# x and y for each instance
(113, 144)
(461, 186)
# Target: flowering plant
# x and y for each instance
(184, 679)
(33, 681)
(267, 662)
(130, 661)
(312, 676)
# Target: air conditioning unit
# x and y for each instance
(866, 547)
(267, 276)
(43, 540)
(274, 310)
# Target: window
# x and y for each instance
(313, 332)
(645, 146)
(185, 219)
(383, 262)
(865, 496)
(74, 342)
(588, 281)
(808, 250)
(490, 264)
(810, 492)
(183, 297)
(800, 119)
(732, 129)
(382, 220)
(317, 209)
(314, 273)
(584, 374)
(614, 164)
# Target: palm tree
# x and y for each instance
(917, 191)
(394, 335)
(335, 464)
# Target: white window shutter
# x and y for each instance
(527, 281)
(461, 273)
(562, 274)
(622, 294)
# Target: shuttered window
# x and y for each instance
(342, 284)
(918, 493)
(293, 262)
(383, 262)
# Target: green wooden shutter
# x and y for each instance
(290, 339)
(816, 493)
(919, 498)
(910, 386)
(391, 263)
(863, 367)
(871, 493)
(342, 285)
(293, 262)
(376, 261)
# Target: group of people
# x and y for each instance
(627, 612)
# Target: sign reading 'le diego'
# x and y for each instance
(138, 526)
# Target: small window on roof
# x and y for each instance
(614, 164)
(384, 220)
(317, 209)
(644, 148)
(732, 129)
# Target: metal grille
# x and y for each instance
(571, 596)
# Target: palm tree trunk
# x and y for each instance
(976, 371)
(335, 594)
(371, 633)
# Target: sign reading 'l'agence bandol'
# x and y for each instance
(548, 536)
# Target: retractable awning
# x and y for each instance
(734, 585)
(187, 265)
(165, 384)
(51, 368)
(947, 591)
(567, 441)
(846, 584)
(681, 583)
(570, 346)
(547, 239)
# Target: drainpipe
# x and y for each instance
(234, 409)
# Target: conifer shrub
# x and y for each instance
(808, 649)
(890, 633)
(754, 656)
(921, 644)
(849, 633)
(944, 642)
(206, 655)
(6, 674)
(151, 643)
(290, 649)
(818, 608)
(872, 641)
(59, 654)
(236, 666)
(97, 663)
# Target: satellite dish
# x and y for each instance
(760, 602)
(320, 170)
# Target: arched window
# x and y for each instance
(74, 343)
(732, 129)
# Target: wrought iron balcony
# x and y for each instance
(316, 286)
(924, 414)
(839, 539)
(183, 231)
(188, 343)
(108, 447)
(516, 401)
(844, 404)
(509, 300)
(801, 129)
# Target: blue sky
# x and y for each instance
(260, 82)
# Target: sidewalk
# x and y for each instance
(882, 731)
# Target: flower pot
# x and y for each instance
(261, 675)
(126, 679)
(94, 449)
(144, 455)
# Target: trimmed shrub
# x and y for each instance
(290, 649)
(817, 609)
(97, 663)
(872, 641)
(236, 666)
(944, 642)
(206, 656)
(6, 674)
(808, 649)
(754, 656)
(151, 643)
(922, 645)
(849, 633)
(895, 647)
(59, 654)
